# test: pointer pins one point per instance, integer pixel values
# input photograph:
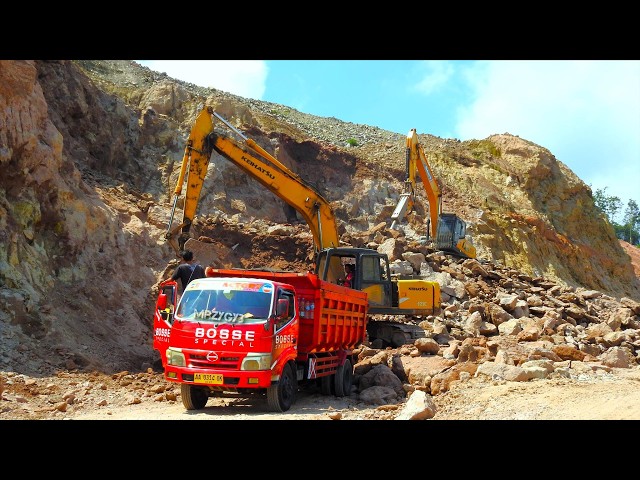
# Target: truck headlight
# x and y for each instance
(256, 361)
(175, 358)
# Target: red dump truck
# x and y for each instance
(241, 333)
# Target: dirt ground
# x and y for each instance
(604, 397)
(73, 395)
(613, 395)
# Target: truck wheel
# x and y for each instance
(326, 384)
(193, 398)
(280, 397)
(343, 379)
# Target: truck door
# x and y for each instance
(286, 328)
(163, 317)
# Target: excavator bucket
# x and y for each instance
(401, 208)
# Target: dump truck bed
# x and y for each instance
(332, 317)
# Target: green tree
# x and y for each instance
(631, 222)
(610, 205)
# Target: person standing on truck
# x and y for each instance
(187, 271)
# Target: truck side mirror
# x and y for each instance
(282, 309)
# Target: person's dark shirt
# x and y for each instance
(187, 272)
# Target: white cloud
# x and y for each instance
(246, 78)
(434, 75)
(584, 112)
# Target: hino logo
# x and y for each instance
(212, 357)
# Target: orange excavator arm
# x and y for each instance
(447, 230)
(416, 161)
(257, 163)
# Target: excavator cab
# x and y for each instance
(371, 274)
(451, 236)
(387, 294)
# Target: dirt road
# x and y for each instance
(613, 395)
(602, 397)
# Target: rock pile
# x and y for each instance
(497, 322)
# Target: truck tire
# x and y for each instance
(326, 384)
(193, 398)
(281, 396)
(343, 379)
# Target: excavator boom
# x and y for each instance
(258, 164)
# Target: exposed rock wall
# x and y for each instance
(90, 151)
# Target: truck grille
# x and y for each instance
(230, 363)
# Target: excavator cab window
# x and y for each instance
(332, 271)
(461, 229)
(374, 268)
(371, 269)
(451, 230)
(344, 261)
(446, 233)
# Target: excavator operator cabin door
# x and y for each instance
(373, 274)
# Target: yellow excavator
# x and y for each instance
(275, 176)
(447, 229)
(387, 294)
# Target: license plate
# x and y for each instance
(210, 378)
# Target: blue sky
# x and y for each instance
(586, 112)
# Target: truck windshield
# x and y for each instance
(224, 306)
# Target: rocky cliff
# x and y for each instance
(90, 152)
